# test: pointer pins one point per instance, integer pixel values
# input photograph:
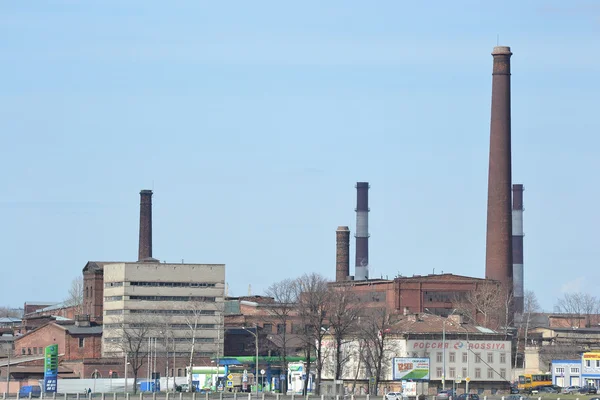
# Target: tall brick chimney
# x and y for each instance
(342, 254)
(145, 249)
(498, 260)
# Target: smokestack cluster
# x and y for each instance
(498, 260)
(517, 247)
(145, 244)
(342, 254)
(361, 266)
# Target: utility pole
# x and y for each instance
(126, 362)
(255, 334)
(8, 368)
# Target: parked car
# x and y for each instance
(588, 390)
(547, 389)
(393, 396)
(468, 396)
(514, 390)
(35, 391)
(571, 389)
(446, 394)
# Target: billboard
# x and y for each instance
(410, 368)
(50, 368)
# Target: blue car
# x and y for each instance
(25, 391)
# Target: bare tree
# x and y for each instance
(193, 323)
(75, 296)
(343, 318)
(375, 326)
(9, 312)
(489, 305)
(572, 305)
(530, 307)
(132, 340)
(313, 297)
(283, 310)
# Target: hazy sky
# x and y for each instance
(253, 120)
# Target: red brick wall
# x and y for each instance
(42, 337)
(93, 292)
(92, 347)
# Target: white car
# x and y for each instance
(393, 396)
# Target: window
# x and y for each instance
(597, 363)
(587, 363)
(35, 350)
(559, 370)
(172, 298)
(464, 373)
(29, 350)
(503, 373)
(179, 372)
(280, 328)
(490, 373)
(113, 298)
(23, 351)
(96, 375)
(490, 358)
(114, 374)
(465, 357)
(81, 342)
(502, 358)
(438, 372)
(40, 350)
(574, 370)
(477, 358)
(438, 356)
(452, 373)
(268, 328)
(477, 372)
(452, 357)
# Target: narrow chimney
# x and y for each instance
(342, 254)
(145, 250)
(361, 266)
(498, 261)
(517, 247)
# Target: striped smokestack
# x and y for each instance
(517, 246)
(361, 266)
(498, 260)
(342, 254)
(145, 249)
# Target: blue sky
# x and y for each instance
(252, 121)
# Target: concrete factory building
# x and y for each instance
(173, 297)
(161, 301)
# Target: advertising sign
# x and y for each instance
(432, 345)
(50, 368)
(410, 368)
(409, 389)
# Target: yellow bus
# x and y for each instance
(528, 382)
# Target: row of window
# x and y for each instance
(173, 326)
(162, 284)
(490, 373)
(118, 339)
(162, 312)
(162, 298)
(574, 370)
(439, 357)
(588, 363)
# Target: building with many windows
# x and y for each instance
(457, 352)
(566, 372)
(176, 304)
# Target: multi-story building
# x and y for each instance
(590, 368)
(456, 352)
(566, 372)
(177, 303)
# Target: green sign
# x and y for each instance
(51, 360)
